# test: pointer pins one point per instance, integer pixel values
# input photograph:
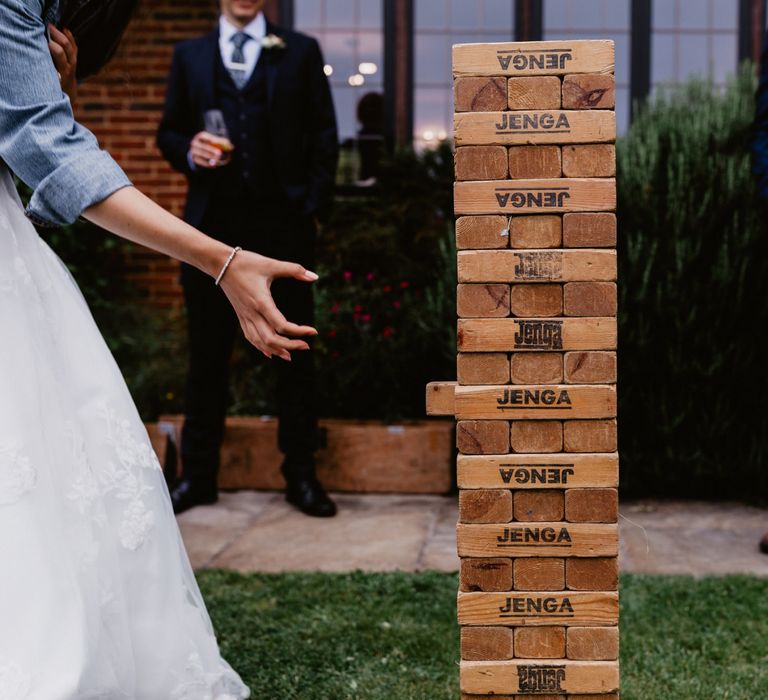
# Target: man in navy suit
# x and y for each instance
(264, 187)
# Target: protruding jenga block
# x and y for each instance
(534, 93)
(536, 368)
(590, 299)
(534, 161)
(540, 642)
(483, 300)
(592, 505)
(477, 437)
(538, 471)
(535, 231)
(581, 230)
(479, 643)
(589, 436)
(491, 574)
(539, 608)
(534, 127)
(539, 574)
(549, 196)
(593, 643)
(590, 367)
(537, 266)
(538, 506)
(480, 94)
(481, 163)
(440, 398)
(536, 436)
(482, 368)
(593, 160)
(531, 334)
(539, 677)
(485, 506)
(592, 574)
(537, 300)
(477, 232)
(533, 58)
(589, 91)
(536, 402)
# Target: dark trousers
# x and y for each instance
(278, 231)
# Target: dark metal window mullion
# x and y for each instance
(640, 54)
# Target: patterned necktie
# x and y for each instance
(239, 75)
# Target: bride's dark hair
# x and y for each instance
(98, 26)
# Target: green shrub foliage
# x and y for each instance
(693, 283)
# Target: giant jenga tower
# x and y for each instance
(536, 398)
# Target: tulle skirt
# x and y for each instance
(97, 595)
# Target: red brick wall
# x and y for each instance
(123, 106)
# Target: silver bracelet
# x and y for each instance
(231, 257)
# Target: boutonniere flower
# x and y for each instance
(272, 41)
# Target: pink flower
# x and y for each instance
(366, 318)
(370, 277)
(347, 275)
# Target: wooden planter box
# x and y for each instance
(362, 456)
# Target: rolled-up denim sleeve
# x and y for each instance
(40, 140)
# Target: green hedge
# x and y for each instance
(693, 281)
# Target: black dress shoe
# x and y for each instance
(310, 498)
(186, 494)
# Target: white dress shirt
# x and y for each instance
(256, 29)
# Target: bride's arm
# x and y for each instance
(132, 215)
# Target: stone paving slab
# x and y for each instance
(258, 531)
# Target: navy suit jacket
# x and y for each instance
(760, 142)
(302, 121)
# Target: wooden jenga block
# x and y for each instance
(590, 505)
(534, 93)
(536, 231)
(485, 506)
(592, 574)
(549, 196)
(538, 471)
(593, 160)
(590, 436)
(589, 230)
(539, 574)
(530, 334)
(556, 539)
(488, 574)
(537, 402)
(478, 437)
(467, 696)
(482, 368)
(539, 505)
(481, 163)
(534, 127)
(534, 162)
(589, 91)
(539, 608)
(478, 232)
(537, 266)
(539, 677)
(590, 299)
(592, 643)
(536, 436)
(440, 399)
(533, 58)
(536, 368)
(483, 300)
(589, 367)
(479, 643)
(480, 94)
(540, 642)
(536, 300)
(589, 696)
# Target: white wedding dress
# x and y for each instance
(97, 596)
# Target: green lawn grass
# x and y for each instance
(394, 636)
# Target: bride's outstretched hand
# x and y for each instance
(247, 284)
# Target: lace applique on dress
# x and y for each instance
(17, 475)
(14, 683)
(199, 685)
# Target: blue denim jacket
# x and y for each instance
(40, 141)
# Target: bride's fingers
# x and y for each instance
(253, 337)
(277, 343)
(294, 270)
(276, 320)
